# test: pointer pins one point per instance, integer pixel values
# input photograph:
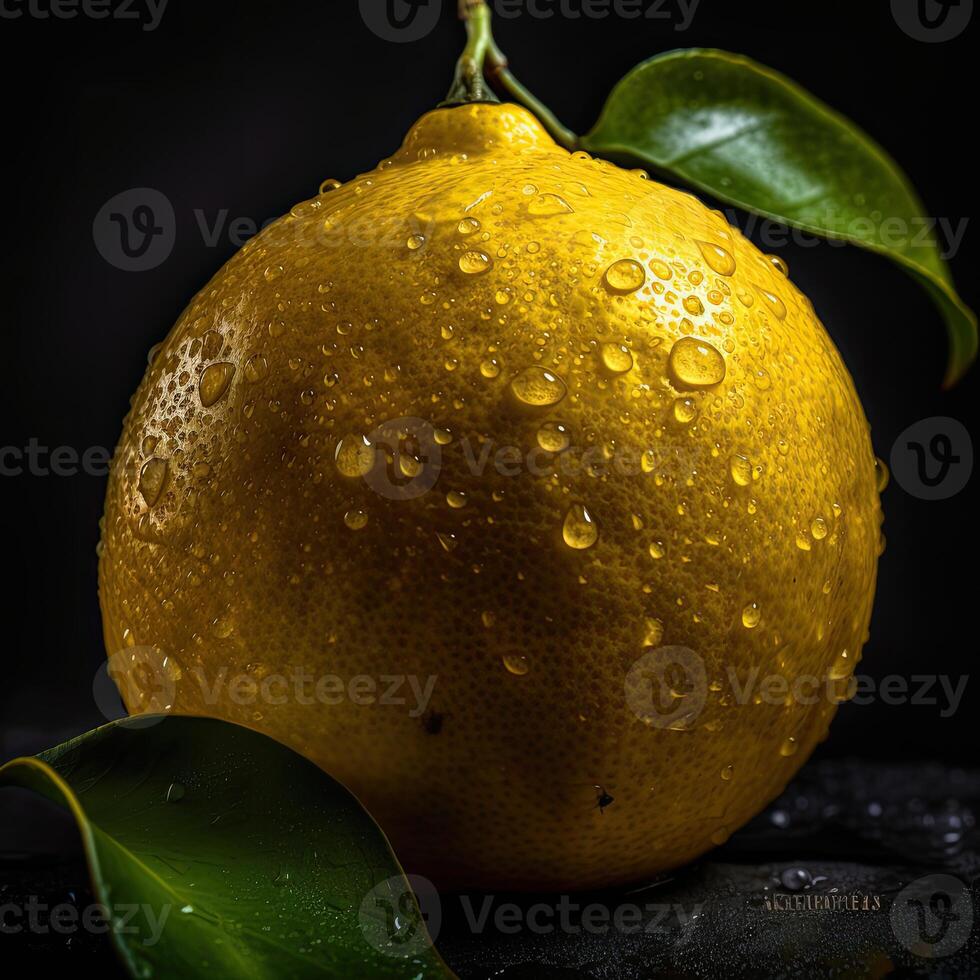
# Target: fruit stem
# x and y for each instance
(482, 61)
(469, 85)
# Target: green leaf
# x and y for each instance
(219, 852)
(749, 136)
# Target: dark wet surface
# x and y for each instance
(857, 870)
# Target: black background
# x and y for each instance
(248, 107)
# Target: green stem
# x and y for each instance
(482, 59)
(469, 85)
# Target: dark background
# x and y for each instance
(248, 107)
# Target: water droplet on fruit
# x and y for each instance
(538, 387)
(717, 258)
(355, 519)
(616, 358)
(788, 747)
(516, 663)
(579, 530)
(468, 226)
(779, 264)
(354, 456)
(456, 499)
(549, 204)
(881, 474)
(624, 276)
(474, 263)
(214, 382)
(741, 469)
(553, 437)
(153, 476)
(751, 615)
(695, 363)
(415, 242)
(256, 368)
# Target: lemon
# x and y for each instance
(519, 492)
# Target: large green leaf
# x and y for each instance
(221, 853)
(749, 136)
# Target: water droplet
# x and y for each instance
(330, 184)
(788, 747)
(774, 303)
(490, 368)
(616, 358)
(796, 879)
(468, 226)
(751, 615)
(473, 263)
(415, 242)
(654, 633)
(549, 204)
(152, 478)
(579, 530)
(657, 549)
(693, 305)
(175, 793)
(487, 618)
(741, 469)
(779, 264)
(553, 437)
(538, 387)
(624, 276)
(214, 382)
(685, 410)
(456, 499)
(256, 368)
(448, 541)
(355, 519)
(660, 269)
(881, 474)
(717, 258)
(728, 772)
(354, 456)
(273, 272)
(516, 663)
(695, 364)
(818, 528)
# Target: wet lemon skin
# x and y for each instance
(687, 464)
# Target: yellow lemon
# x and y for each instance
(518, 491)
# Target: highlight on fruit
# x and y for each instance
(453, 518)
